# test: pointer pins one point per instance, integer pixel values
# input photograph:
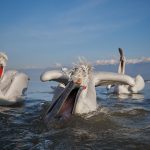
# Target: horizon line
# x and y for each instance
(101, 62)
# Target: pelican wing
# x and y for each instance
(54, 75)
(106, 78)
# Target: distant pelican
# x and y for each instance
(127, 89)
(76, 92)
(12, 83)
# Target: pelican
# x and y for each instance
(76, 92)
(13, 84)
(126, 89)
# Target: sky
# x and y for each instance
(41, 33)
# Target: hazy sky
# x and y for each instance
(43, 32)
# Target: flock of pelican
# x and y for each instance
(75, 93)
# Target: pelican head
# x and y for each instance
(80, 74)
(75, 95)
(3, 61)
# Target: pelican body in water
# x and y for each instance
(13, 84)
(126, 89)
(76, 92)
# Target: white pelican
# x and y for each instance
(76, 92)
(126, 89)
(12, 83)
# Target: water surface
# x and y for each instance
(119, 123)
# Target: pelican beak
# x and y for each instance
(1, 70)
(64, 104)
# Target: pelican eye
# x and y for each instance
(79, 81)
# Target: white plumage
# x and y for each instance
(84, 79)
(13, 84)
(126, 89)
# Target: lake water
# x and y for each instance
(119, 123)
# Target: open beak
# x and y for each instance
(1, 70)
(64, 105)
